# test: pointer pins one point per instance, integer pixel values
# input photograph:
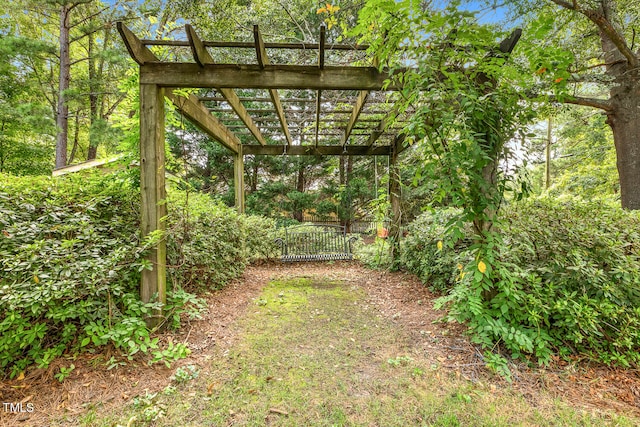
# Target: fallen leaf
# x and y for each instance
(210, 389)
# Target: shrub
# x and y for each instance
(421, 254)
(70, 262)
(563, 276)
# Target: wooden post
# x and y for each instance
(238, 179)
(547, 163)
(153, 285)
(394, 198)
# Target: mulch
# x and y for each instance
(397, 296)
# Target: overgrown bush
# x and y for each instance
(208, 243)
(434, 263)
(70, 262)
(565, 277)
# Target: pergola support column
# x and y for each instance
(153, 192)
(238, 179)
(394, 199)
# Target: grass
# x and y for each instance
(310, 352)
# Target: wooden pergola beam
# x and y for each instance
(357, 109)
(239, 76)
(311, 150)
(202, 57)
(249, 45)
(320, 66)
(191, 107)
(198, 114)
(379, 130)
(263, 61)
(257, 99)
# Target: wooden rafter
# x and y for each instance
(191, 106)
(202, 57)
(263, 61)
(320, 66)
(379, 130)
(267, 77)
(193, 109)
(138, 51)
(248, 45)
(321, 150)
(357, 109)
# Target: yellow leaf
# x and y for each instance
(20, 376)
(439, 245)
(36, 279)
(482, 267)
(459, 266)
(321, 10)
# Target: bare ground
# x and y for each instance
(397, 296)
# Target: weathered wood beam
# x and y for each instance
(323, 35)
(321, 150)
(191, 107)
(238, 179)
(255, 99)
(138, 51)
(249, 45)
(270, 77)
(202, 57)
(263, 61)
(395, 197)
(153, 208)
(357, 109)
(321, 66)
(379, 130)
(198, 114)
(318, 107)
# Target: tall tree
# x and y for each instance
(601, 71)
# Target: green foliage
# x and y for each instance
(208, 243)
(185, 374)
(70, 263)
(560, 276)
(420, 254)
(376, 255)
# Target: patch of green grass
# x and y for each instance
(311, 353)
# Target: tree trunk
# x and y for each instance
(625, 124)
(62, 110)
(93, 100)
(254, 177)
(298, 214)
(624, 118)
(347, 202)
(76, 139)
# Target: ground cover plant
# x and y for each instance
(70, 262)
(314, 349)
(569, 274)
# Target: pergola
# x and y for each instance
(318, 108)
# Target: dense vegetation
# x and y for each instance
(530, 276)
(71, 256)
(571, 274)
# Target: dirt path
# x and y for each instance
(323, 344)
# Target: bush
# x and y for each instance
(421, 254)
(70, 262)
(565, 276)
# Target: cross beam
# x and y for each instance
(263, 61)
(312, 150)
(202, 57)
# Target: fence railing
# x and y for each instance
(358, 226)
